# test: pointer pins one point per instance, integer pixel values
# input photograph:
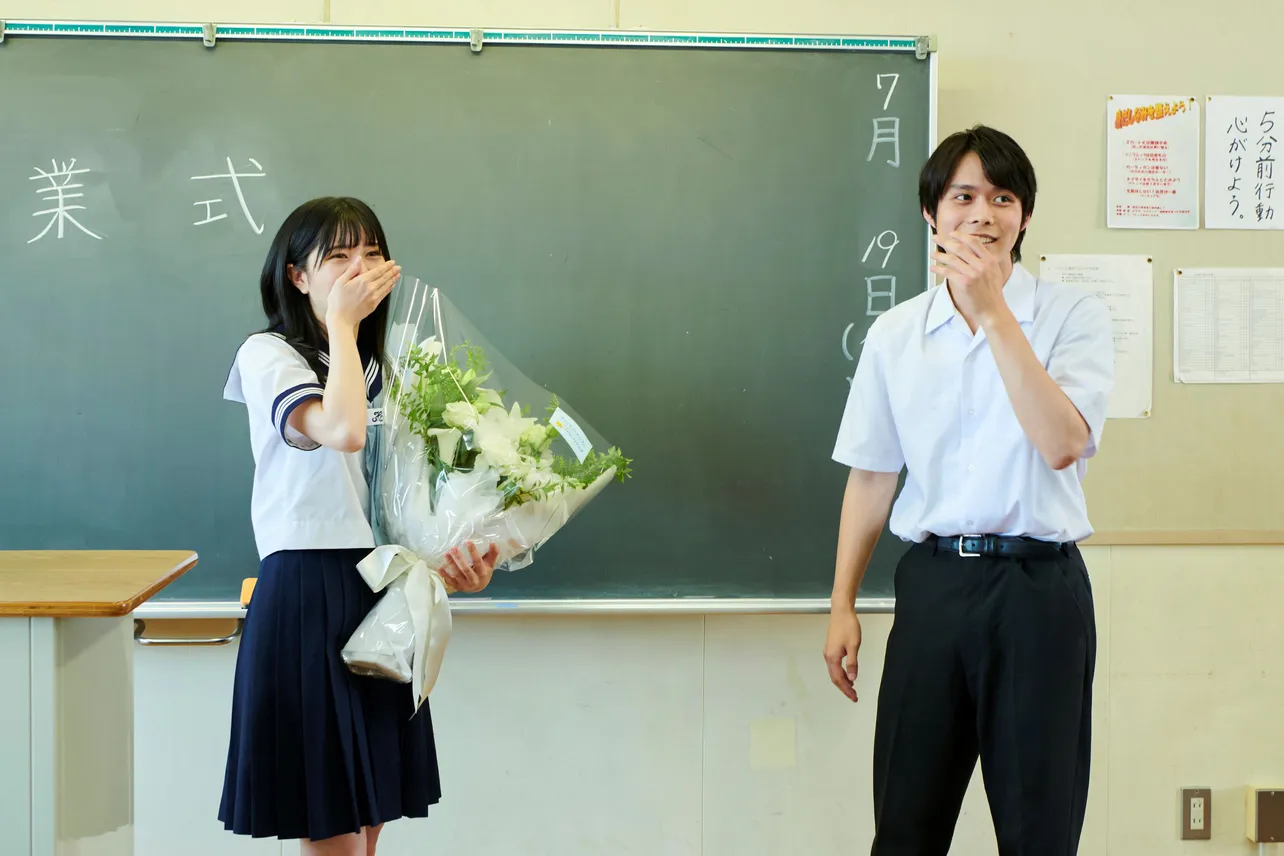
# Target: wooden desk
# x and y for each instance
(67, 696)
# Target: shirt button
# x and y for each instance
(971, 523)
(971, 411)
(971, 468)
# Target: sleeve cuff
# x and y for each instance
(1087, 407)
(865, 462)
(285, 404)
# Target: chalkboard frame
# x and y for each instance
(923, 47)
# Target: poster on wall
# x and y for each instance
(1241, 188)
(1126, 285)
(1228, 325)
(1152, 162)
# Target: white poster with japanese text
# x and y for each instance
(1239, 168)
(1152, 162)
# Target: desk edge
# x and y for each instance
(89, 609)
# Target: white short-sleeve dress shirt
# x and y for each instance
(927, 397)
(305, 496)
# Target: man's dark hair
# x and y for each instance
(1005, 163)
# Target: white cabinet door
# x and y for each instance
(182, 709)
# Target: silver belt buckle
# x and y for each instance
(966, 555)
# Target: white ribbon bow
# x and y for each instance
(426, 596)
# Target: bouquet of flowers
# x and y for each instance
(457, 457)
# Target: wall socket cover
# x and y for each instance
(1196, 814)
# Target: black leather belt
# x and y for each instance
(997, 545)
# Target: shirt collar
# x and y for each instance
(1018, 292)
(279, 329)
(372, 370)
(373, 373)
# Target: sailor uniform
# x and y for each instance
(315, 751)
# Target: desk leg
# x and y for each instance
(44, 736)
(15, 736)
(82, 732)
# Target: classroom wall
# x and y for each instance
(555, 729)
(722, 736)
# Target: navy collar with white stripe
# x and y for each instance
(374, 375)
(373, 371)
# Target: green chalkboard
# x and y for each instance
(685, 239)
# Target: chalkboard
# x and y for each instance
(686, 237)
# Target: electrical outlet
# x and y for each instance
(1196, 814)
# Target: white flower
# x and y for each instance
(461, 415)
(497, 455)
(535, 437)
(497, 433)
(487, 398)
(399, 346)
(431, 347)
(447, 442)
(541, 479)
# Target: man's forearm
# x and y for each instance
(865, 506)
(1051, 421)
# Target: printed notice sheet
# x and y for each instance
(1228, 325)
(1126, 284)
(1152, 162)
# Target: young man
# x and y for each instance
(991, 391)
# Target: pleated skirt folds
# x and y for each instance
(316, 751)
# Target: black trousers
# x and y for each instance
(990, 658)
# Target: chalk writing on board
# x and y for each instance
(878, 242)
(887, 131)
(60, 180)
(880, 289)
(235, 178)
(880, 294)
(847, 351)
(890, 89)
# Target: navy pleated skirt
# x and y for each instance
(315, 750)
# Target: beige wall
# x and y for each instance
(722, 736)
(1191, 668)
